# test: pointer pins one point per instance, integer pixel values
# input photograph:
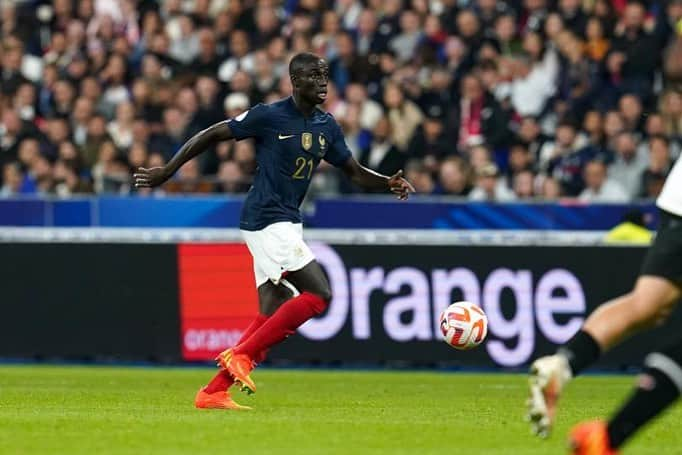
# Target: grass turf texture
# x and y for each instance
(85, 410)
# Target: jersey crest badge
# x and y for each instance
(323, 144)
(306, 141)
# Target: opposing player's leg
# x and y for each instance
(649, 304)
(657, 388)
(314, 297)
(651, 301)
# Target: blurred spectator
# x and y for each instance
(368, 39)
(323, 42)
(632, 61)
(235, 104)
(207, 60)
(658, 168)
(420, 176)
(188, 180)
(96, 135)
(565, 157)
(184, 46)
(628, 165)
(520, 160)
(671, 111)
(489, 187)
(597, 44)
(357, 139)
(347, 67)
(25, 102)
(530, 134)
(11, 77)
(479, 157)
(524, 185)
(11, 179)
(631, 109)
(66, 180)
(534, 77)
(370, 110)
(550, 189)
(479, 117)
(383, 155)
(121, 128)
(404, 116)
(455, 177)
(241, 58)
(505, 33)
(208, 90)
(405, 43)
(12, 130)
(231, 178)
(430, 142)
(593, 128)
(614, 124)
(600, 189)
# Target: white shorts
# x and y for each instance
(277, 249)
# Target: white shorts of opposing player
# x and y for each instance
(276, 249)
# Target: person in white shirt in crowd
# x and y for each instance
(524, 184)
(628, 165)
(370, 110)
(598, 187)
(405, 44)
(489, 187)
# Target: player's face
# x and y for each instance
(311, 82)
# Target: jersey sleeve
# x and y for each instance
(338, 152)
(248, 124)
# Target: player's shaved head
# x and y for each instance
(309, 76)
(301, 61)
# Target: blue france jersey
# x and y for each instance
(289, 146)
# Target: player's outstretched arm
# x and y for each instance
(147, 178)
(371, 180)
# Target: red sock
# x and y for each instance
(281, 324)
(223, 381)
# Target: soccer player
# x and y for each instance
(292, 136)
(653, 298)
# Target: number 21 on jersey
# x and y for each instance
(304, 168)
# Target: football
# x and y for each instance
(464, 325)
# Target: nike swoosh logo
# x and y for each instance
(285, 137)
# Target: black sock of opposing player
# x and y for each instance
(655, 391)
(581, 351)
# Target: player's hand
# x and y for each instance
(149, 178)
(398, 185)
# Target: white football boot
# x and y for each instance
(548, 376)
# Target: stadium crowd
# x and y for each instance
(485, 99)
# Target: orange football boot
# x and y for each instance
(217, 400)
(239, 366)
(591, 438)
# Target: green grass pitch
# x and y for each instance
(103, 410)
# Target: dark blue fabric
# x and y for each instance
(289, 146)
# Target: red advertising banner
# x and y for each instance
(218, 297)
